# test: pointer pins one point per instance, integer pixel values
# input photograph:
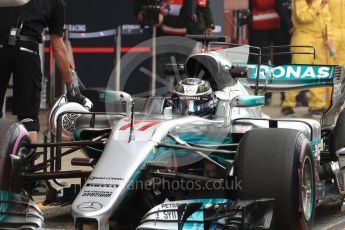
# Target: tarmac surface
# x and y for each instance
(328, 217)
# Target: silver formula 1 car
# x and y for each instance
(158, 164)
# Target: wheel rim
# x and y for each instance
(21, 151)
(307, 188)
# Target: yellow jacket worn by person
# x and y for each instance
(312, 23)
(337, 10)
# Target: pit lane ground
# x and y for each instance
(328, 217)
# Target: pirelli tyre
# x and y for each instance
(278, 163)
(14, 140)
(338, 136)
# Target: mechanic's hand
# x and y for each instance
(292, 30)
(209, 31)
(73, 94)
(324, 3)
(160, 20)
(140, 16)
(329, 43)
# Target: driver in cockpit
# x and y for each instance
(193, 96)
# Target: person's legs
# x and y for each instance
(27, 89)
(289, 99)
(280, 37)
(259, 38)
(298, 38)
(317, 101)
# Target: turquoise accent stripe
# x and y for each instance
(315, 145)
(251, 101)
(4, 196)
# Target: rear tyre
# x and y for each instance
(338, 137)
(14, 140)
(278, 163)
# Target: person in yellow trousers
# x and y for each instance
(312, 23)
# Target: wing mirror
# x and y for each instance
(11, 3)
(117, 97)
(241, 101)
(248, 101)
(167, 112)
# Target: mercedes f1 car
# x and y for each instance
(147, 167)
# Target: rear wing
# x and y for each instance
(297, 77)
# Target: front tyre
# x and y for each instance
(14, 140)
(278, 163)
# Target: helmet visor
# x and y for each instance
(198, 106)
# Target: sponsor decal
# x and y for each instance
(105, 178)
(292, 72)
(89, 206)
(170, 215)
(76, 27)
(169, 212)
(190, 89)
(191, 98)
(97, 193)
(170, 205)
(96, 185)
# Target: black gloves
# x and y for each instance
(74, 95)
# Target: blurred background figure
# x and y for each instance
(337, 46)
(265, 30)
(203, 19)
(337, 10)
(284, 10)
(311, 20)
(171, 18)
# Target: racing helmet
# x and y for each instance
(193, 96)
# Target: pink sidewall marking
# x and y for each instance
(22, 134)
(300, 206)
(304, 145)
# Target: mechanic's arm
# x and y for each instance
(138, 10)
(209, 18)
(61, 58)
(185, 18)
(305, 13)
(327, 18)
(284, 14)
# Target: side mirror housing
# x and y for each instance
(167, 112)
(117, 97)
(248, 101)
